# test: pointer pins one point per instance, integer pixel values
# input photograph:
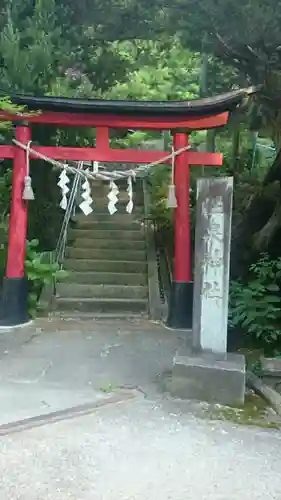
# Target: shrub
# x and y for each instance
(255, 305)
(41, 271)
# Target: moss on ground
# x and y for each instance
(255, 411)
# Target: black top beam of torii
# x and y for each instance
(228, 101)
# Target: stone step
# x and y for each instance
(95, 225)
(102, 209)
(123, 181)
(107, 244)
(133, 219)
(119, 182)
(101, 194)
(103, 187)
(105, 254)
(101, 204)
(74, 290)
(107, 225)
(100, 315)
(107, 266)
(102, 306)
(103, 234)
(101, 213)
(107, 278)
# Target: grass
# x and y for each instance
(108, 388)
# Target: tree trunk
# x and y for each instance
(211, 140)
(260, 223)
(235, 151)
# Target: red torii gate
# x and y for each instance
(179, 117)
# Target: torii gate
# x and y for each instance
(179, 117)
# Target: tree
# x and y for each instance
(111, 20)
(38, 46)
(246, 37)
(41, 54)
(30, 49)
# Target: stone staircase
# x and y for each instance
(106, 260)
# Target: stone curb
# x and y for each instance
(269, 394)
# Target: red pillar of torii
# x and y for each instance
(179, 118)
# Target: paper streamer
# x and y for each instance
(130, 205)
(86, 205)
(63, 184)
(113, 197)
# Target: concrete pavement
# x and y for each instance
(147, 447)
(141, 451)
(56, 364)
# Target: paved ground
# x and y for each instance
(145, 448)
(56, 364)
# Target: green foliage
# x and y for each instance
(114, 19)
(34, 59)
(29, 49)
(45, 51)
(162, 70)
(5, 191)
(255, 305)
(39, 268)
(44, 47)
(159, 180)
(40, 271)
(243, 35)
(7, 107)
(132, 141)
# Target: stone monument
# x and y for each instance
(206, 371)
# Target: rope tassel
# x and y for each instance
(171, 201)
(28, 193)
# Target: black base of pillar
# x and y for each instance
(14, 302)
(181, 305)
